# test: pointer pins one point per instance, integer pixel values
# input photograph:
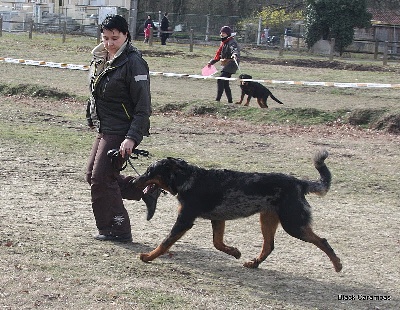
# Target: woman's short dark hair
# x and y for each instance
(116, 22)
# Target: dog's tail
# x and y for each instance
(276, 99)
(322, 186)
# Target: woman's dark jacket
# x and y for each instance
(120, 103)
(231, 47)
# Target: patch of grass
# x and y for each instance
(170, 107)
(33, 91)
(47, 46)
(56, 138)
(308, 116)
(58, 132)
(299, 116)
(389, 122)
(202, 109)
(313, 106)
(365, 117)
(343, 91)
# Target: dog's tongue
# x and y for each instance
(148, 188)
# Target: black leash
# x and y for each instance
(116, 160)
(120, 163)
(136, 156)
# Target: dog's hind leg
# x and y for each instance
(262, 103)
(310, 236)
(218, 239)
(269, 223)
(296, 221)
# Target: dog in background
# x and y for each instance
(221, 195)
(256, 90)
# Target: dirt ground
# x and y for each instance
(49, 259)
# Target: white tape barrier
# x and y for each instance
(45, 64)
(196, 76)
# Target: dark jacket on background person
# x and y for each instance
(228, 64)
(164, 23)
(120, 90)
(164, 27)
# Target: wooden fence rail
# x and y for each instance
(386, 49)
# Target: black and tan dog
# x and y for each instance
(220, 195)
(256, 90)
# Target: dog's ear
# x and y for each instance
(177, 164)
(179, 173)
(244, 77)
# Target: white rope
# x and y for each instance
(197, 76)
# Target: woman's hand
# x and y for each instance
(127, 147)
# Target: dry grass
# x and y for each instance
(51, 262)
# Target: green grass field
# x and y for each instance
(324, 104)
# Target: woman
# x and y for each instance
(228, 53)
(120, 107)
(148, 24)
(164, 29)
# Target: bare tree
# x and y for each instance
(288, 5)
(220, 7)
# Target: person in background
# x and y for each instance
(164, 27)
(228, 54)
(266, 34)
(120, 109)
(288, 37)
(147, 25)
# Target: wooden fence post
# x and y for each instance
(281, 45)
(191, 41)
(151, 36)
(98, 34)
(30, 29)
(64, 31)
(385, 53)
(376, 51)
(246, 34)
(332, 49)
(207, 27)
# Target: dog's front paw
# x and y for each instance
(238, 102)
(145, 257)
(252, 264)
